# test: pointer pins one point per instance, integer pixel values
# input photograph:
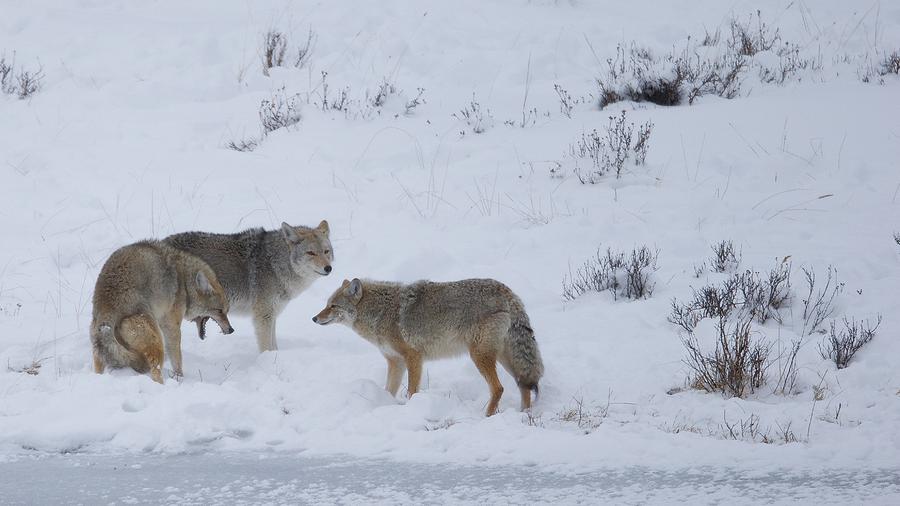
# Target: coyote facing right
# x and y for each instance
(428, 320)
(262, 270)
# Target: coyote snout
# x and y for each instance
(221, 320)
(324, 317)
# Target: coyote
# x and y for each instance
(261, 270)
(143, 292)
(428, 320)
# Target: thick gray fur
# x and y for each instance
(262, 270)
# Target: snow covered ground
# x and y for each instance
(127, 140)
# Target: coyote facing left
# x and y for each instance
(428, 320)
(143, 292)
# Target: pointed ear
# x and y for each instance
(323, 227)
(354, 289)
(289, 233)
(203, 282)
(345, 283)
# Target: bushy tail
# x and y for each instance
(523, 354)
(111, 336)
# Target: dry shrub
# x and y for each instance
(842, 344)
(280, 111)
(716, 65)
(725, 257)
(738, 365)
(22, 83)
(819, 302)
(597, 154)
(623, 275)
(746, 295)
(274, 49)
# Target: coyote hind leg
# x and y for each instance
(145, 340)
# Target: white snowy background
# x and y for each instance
(127, 139)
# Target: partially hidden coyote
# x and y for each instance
(143, 292)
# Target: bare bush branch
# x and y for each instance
(778, 287)
(609, 152)
(725, 257)
(243, 145)
(716, 65)
(841, 345)
(566, 102)
(280, 111)
(738, 365)
(6, 75)
(643, 143)
(618, 142)
(304, 52)
(23, 83)
(274, 48)
(478, 119)
(638, 268)
(888, 65)
(746, 294)
(385, 89)
(584, 417)
(629, 276)
(786, 362)
(414, 102)
(29, 83)
(819, 303)
(747, 40)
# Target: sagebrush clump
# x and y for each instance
(623, 275)
(842, 344)
(370, 104)
(738, 364)
(280, 111)
(478, 119)
(716, 65)
(745, 295)
(597, 153)
(275, 50)
(20, 83)
(888, 65)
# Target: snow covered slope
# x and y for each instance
(128, 139)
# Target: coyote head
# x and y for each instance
(341, 307)
(310, 249)
(206, 299)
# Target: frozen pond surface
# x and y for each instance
(241, 478)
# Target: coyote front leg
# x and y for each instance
(264, 325)
(396, 368)
(171, 328)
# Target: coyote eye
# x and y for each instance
(327, 251)
(311, 253)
